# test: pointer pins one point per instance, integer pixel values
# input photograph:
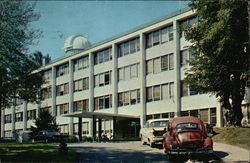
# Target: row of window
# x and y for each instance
(103, 56)
(128, 72)
(186, 90)
(161, 115)
(103, 79)
(129, 47)
(46, 92)
(129, 97)
(159, 36)
(31, 114)
(159, 64)
(81, 84)
(160, 92)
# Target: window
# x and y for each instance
(157, 65)
(81, 63)
(156, 38)
(171, 90)
(103, 56)
(165, 91)
(159, 92)
(7, 118)
(128, 47)
(62, 70)
(159, 36)
(164, 63)
(134, 71)
(204, 115)
(164, 35)
(103, 79)
(103, 102)
(120, 74)
(82, 105)
(149, 94)
(63, 108)
(19, 117)
(47, 75)
(184, 57)
(46, 92)
(171, 61)
(120, 99)
(189, 21)
(31, 114)
(62, 89)
(48, 108)
(184, 89)
(128, 72)
(149, 66)
(131, 97)
(81, 84)
(213, 119)
(64, 129)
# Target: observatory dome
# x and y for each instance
(75, 44)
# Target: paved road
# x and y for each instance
(127, 152)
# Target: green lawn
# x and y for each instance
(234, 136)
(33, 152)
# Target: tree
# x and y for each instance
(219, 42)
(17, 79)
(44, 121)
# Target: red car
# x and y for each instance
(187, 135)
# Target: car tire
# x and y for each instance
(151, 144)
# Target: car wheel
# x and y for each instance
(142, 141)
(151, 144)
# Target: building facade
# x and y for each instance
(128, 78)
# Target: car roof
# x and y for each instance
(175, 121)
(155, 120)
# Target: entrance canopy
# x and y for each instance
(99, 115)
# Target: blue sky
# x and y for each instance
(98, 20)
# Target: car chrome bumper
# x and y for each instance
(183, 152)
(157, 140)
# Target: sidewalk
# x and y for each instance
(230, 153)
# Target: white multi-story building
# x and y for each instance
(116, 85)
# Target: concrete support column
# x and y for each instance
(91, 92)
(143, 79)
(114, 127)
(94, 127)
(38, 108)
(219, 115)
(53, 88)
(2, 122)
(177, 96)
(25, 106)
(71, 95)
(80, 128)
(114, 80)
(99, 128)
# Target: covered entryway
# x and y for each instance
(123, 125)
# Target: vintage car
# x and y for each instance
(187, 135)
(49, 136)
(153, 131)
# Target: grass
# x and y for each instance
(33, 152)
(235, 136)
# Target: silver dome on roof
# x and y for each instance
(76, 44)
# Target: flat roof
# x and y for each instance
(85, 114)
(178, 12)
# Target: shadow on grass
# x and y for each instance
(34, 153)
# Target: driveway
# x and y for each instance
(127, 152)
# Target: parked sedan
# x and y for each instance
(187, 135)
(49, 136)
(153, 131)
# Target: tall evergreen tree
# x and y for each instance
(44, 121)
(220, 45)
(16, 66)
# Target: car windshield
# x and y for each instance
(187, 126)
(159, 124)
